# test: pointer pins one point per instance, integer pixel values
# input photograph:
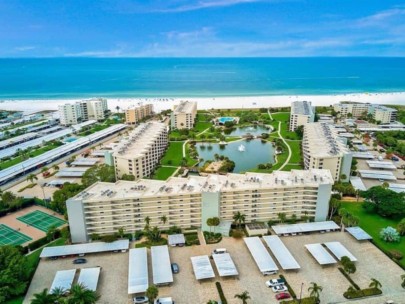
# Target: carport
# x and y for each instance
(280, 251)
(89, 277)
(202, 267)
(260, 254)
(161, 267)
(138, 280)
(225, 265)
(320, 254)
(63, 280)
(340, 251)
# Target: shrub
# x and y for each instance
(309, 300)
(355, 294)
(138, 234)
(109, 238)
(221, 293)
(389, 235)
(237, 234)
(290, 290)
(395, 254)
(42, 241)
(174, 230)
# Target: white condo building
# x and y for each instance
(183, 116)
(380, 113)
(103, 208)
(134, 115)
(140, 152)
(91, 109)
(324, 149)
(302, 113)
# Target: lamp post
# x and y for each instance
(302, 284)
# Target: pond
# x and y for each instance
(246, 154)
(254, 130)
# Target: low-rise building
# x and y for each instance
(379, 113)
(383, 114)
(324, 149)
(134, 115)
(301, 114)
(183, 116)
(103, 208)
(139, 153)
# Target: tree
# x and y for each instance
(315, 290)
(31, 178)
(128, 177)
(343, 214)
(215, 222)
(60, 196)
(102, 173)
(147, 220)
(44, 169)
(282, 217)
(117, 108)
(79, 294)
(7, 198)
(152, 293)
(387, 203)
(13, 273)
(121, 232)
(348, 265)
(154, 235)
(44, 297)
(244, 296)
(50, 234)
(389, 235)
(401, 227)
(209, 222)
(163, 219)
(239, 218)
(334, 206)
(212, 302)
(55, 168)
(375, 283)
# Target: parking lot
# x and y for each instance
(372, 263)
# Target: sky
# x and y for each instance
(201, 28)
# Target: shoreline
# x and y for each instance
(204, 103)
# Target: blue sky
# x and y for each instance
(201, 28)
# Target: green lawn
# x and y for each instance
(284, 117)
(33, 153)
(202, 125)
(163, 173)
(289, 167)
(373, 223)
(174, 154)
(281, 116)
(296, 155)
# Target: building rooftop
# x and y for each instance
(322, 140)
(184, 107)
(302, 108)
(139, 140)
(211, 183)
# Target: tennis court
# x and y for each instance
(41, 220)
(10, 236)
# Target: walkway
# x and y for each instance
(184, 147)
(201, 237)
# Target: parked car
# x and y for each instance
(275, 282)
(282, 296)
(219, 251)
(175, 268)
(79, 261)
(140, 300)
(167, 300)
(279, 288)
(394, 158)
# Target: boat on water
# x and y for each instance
(241, 148)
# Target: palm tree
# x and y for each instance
(163, 219)
(44, 298)
(31, 178)
(81, 295)
(117, 108)
(244, 296)
(147, 220)
(375, 283)
(282, 217)
(315, 290)
(152, 293)
(55, 167)
(209, 222)
(239, 218)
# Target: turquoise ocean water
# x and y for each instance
(55, 78)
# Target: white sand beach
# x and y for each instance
(32, 106)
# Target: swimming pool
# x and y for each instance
(223, 120)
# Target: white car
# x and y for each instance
(279, 288)
(275, 282)
(141, 300)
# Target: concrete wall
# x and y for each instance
(322, 202)
(210, 207)
(77, 222)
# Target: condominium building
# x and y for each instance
(103, 208)
(91, 109)
(140, 152)
(183, 116)
(135, 114)
(324, 149)
(379, 113)
(302, 113)
(383, 114)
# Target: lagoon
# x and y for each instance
(256, 152)
(253, 130)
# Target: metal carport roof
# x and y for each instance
(161, 266)
(202, 267)
(320, 254)
(225, 265)
(340, 251)
(89, 277)
(280, 251)
(260, 254)
(305, 227)
(63, 280)
(138, 279)
(358, 233)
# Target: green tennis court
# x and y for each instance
(9, 236)
(41, 220)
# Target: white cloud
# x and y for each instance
(24, 48)
(206, 4)
(382, 18)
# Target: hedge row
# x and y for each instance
(310, 300)
(349, 278)
(388, 254)
(27, 202)
(290, 290)
(368, 292)
(221, 293)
